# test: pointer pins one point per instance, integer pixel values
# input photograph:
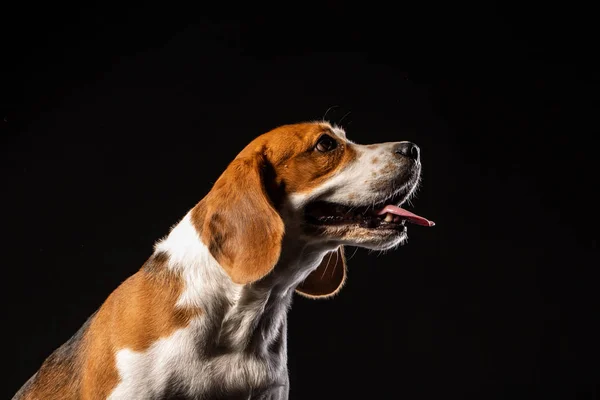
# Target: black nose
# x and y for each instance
(407, 149)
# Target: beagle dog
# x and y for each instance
(206, 315)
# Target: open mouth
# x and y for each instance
(383, 216)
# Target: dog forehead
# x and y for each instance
(287, 140)
(301, 135)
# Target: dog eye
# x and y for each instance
(326, 143)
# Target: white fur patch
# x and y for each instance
(202, 274)
(146, 374)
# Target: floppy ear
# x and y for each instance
(328, 278)
(241, 228)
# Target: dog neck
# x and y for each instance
(251, 317)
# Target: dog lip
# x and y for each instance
(396, 198)
(369, 222)
(331, 214)
(386, 212)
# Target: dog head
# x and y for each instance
(311, 182)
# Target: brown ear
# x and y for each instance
(328, 278)
(241, 228)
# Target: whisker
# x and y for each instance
(327, 266)
(326, 112)
(345, 115)
(336, 263)
(355, 250)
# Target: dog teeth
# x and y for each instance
(388, 217)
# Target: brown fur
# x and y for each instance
(238, 223)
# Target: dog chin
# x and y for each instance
(383, 244)
(372, 239)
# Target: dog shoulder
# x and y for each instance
(137, 313)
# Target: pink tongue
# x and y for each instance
(410, 217)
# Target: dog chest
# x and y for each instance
(176, 362)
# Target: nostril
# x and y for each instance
(407, 149)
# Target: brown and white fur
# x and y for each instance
(205, 316)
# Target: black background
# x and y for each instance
(116, 121)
